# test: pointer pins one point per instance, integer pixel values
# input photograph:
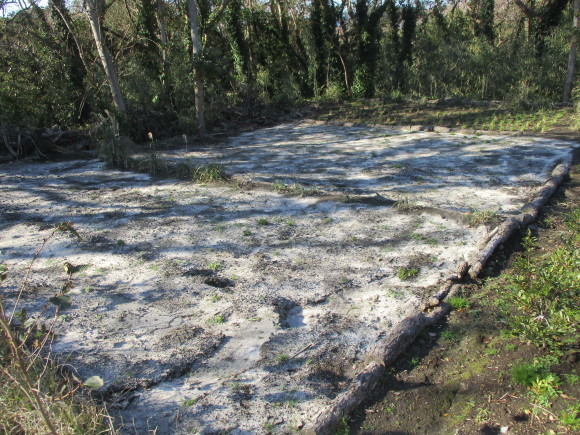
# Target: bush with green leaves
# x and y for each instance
(544, 291)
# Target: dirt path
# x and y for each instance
(223, 307)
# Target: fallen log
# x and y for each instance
(529, 213)
(386, 351)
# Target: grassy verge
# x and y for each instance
(477, 116)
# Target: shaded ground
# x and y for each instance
(457, 377)
(238, 306)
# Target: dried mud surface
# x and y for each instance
(236, 308)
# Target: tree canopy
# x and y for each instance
(192, 63)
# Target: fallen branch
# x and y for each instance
(529, 213)
(384, 353)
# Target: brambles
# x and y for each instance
(35, 395)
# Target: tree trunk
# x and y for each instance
(196, 45)
(106, 60)
(162, 29)
(572, 57)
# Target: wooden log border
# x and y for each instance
(387, 350)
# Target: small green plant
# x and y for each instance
(283, 358)
(481, 217)
(483, 415)
(216, 267)
(491, 351)
(290, 222)
(246, 233)
(152, 164)
(570, 417)
(214, 298)
(417, 236)
(254, 319)
(404, 273)
(526, 374)
(543, 390)
(405, 204)
(459, 303)
(451, 334)
(511, 347)
(343, 427)
(210, 173)
(190, 402)
(389, 409)
(263, 221)
(278, 186)
(571, 378)
(120, 242)
(217, 319)
(295, 189)
(428, 240)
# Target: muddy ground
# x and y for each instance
(248, 306)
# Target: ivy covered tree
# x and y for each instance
(198, 64)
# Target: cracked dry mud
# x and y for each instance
(213, 308)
